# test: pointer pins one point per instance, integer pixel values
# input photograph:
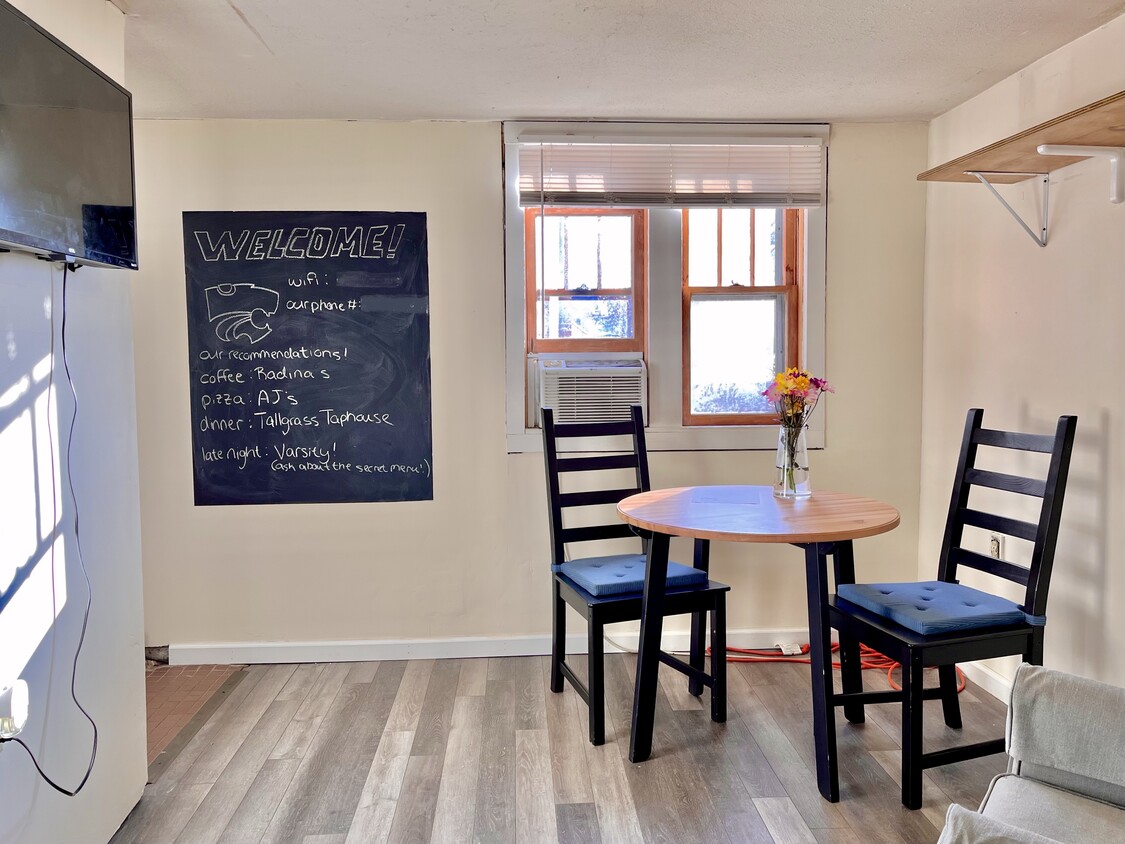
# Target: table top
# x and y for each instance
(753, 514)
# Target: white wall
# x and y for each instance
(1031, 333)
(473, 562)
(103, 470)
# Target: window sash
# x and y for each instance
(638, 292)
(790, 291)
(751, 269)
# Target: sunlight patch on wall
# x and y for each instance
(32, 554)
(49, 472)
(31, 613)
(17, 497)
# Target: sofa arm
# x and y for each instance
(1066, 730)
(965, 827)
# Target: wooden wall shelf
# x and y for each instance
(1015, 158)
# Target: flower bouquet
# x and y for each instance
(794, 394)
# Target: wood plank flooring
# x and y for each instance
(482, 751)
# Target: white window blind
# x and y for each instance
(682, 172)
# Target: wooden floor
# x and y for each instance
(481, 750)
(174, 695)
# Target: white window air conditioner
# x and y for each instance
(584, 390)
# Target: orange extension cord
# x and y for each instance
(869, 659)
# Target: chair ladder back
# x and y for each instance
(1043, 533)
(593, 429)
(1007, 483)
(991, 565)
(639, 448)
(597, 462)
(1043, 443)
(959, 501)
(555, 465)
(551, 462)
(592, 533)
(1043, 555)
(644, 484)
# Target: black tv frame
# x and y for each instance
(23, 242)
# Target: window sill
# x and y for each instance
(697, 438)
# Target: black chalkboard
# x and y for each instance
(309, 344)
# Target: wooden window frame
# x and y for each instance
(791, 289)
(636, 343)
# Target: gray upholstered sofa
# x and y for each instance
(1066, 774)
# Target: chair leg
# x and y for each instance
(558, 638)
(950, 705)
(912, 730)
(851, 672)
(719, 659)
(1034, 653)
(697, 651)
(595, 681)
(851, 676)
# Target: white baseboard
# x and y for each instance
(997, 685)
(253, 653)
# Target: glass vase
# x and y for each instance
(792, 478)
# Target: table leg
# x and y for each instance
(648, 652)
(820, 655)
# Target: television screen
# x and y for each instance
(66, 151)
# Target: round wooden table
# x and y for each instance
(823, 524)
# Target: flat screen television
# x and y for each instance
(66, 151)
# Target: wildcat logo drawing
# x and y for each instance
(240, 311)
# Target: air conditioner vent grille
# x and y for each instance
(584, 391)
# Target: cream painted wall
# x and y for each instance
(103, 471)
(472, 563)
(1031, 333)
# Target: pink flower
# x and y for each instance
(794, 394)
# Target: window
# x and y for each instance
(585, 291)
(742, 272)
(698, 247)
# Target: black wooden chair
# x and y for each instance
(942, 622)
(608, 589)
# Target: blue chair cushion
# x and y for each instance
(620, 574)
(933, 606)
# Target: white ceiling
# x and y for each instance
(658, 59)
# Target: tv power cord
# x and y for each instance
(77, 540)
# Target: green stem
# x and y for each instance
(792, 435)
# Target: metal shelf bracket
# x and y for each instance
(1116, 156)
(1044, 179)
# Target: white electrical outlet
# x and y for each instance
(13, 709)
(996, 546)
